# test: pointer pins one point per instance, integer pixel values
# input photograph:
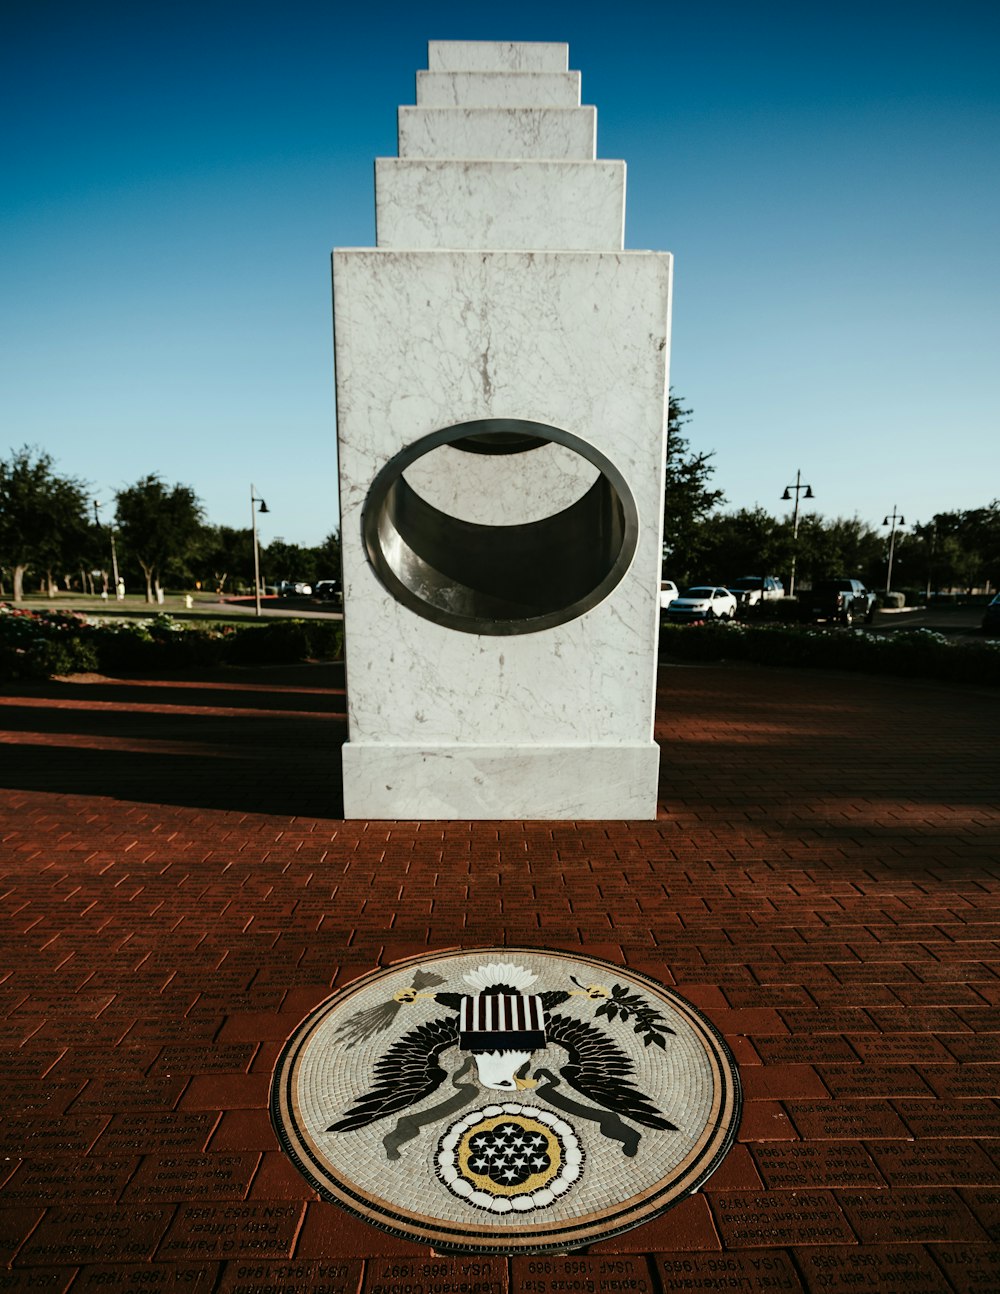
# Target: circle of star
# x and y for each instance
(509, 1158)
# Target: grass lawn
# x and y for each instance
(203, 606)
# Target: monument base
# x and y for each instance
(461, 781)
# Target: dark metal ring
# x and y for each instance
(499, 579)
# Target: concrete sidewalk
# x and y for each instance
(178, 892)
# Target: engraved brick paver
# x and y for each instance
(177, 891)
(865, 1267)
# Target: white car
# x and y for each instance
(668, 591)
(703, 602)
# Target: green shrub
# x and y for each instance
(47, 657)
(920, 653)
(285, 641)
(40, 644)
(278, 642)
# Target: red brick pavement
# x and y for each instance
(178, 891)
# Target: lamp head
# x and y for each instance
(263, 507)
(809, 492)
(787, 493)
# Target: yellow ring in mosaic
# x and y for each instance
(505, 1100)
(509, 1159)
(535, 1181)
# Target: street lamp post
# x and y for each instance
(254, 500)
(895, 520)
(930, 558)
(111, 532)
(797, 487)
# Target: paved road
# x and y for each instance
(942, 619)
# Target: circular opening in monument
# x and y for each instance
(506, 437)
(500, 579)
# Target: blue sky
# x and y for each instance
(826, 175)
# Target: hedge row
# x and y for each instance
(919, 653)
(39, 644)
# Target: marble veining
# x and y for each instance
(496, 56)
(499, 289)
(591, 782)
(498, 89)
(502, 133)
(571, 339)
(500, 206)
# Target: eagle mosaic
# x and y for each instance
(516, 1041)
(510, 1100)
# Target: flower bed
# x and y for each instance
(919, 653)
(39, 644)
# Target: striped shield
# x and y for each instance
(502, 1022)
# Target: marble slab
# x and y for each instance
(510, 490)
(501, 606)
(466, 781)
(497, 56)
(503, 133)
(578, 341)
(500, 206)
(498, 89)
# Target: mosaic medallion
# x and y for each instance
(505, 1100)
(509, 1158)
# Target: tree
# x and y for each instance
(225, 553)
(978, 533)
(747, 542)
(284, 561)
(43, 516)
(159, 526)
(328, 557)
(962, 549)
(688, 498)
(845, 547)
(983, 525)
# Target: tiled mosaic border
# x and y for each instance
(715, 1141)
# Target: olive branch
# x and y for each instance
(623, 1005)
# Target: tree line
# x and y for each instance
(54, 536)
(703, 543)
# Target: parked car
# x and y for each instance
(668, 591)
(328, 590)
(749, 591)
(991, 617)
(703, 602)
(294, 588)
(840, 601)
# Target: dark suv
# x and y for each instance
(839, 601)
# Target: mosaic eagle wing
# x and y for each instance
(601, 1071)
(408, 1072)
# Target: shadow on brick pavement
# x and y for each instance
(179, 890)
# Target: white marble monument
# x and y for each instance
(501, 411)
